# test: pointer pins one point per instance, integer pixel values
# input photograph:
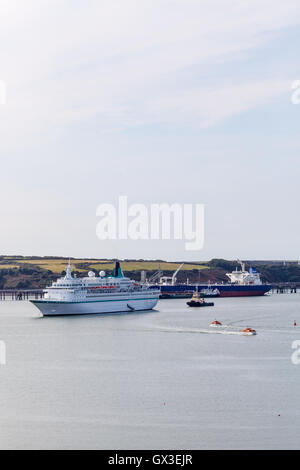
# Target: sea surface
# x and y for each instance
(152, 380)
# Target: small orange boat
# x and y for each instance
(248, 331)
(215, 323)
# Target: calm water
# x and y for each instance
(151, 380)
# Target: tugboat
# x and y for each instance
(198, 301)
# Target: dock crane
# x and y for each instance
(156, 276)
(170, 280)
(175, 274)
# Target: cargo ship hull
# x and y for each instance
(226, 290)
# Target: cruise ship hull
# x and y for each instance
(129, 305)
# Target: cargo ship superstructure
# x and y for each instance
(96, 294)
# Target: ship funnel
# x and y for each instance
(117, 272)
(68, 271)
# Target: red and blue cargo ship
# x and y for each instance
(242, 284)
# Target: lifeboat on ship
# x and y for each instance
(248, 331)
(215, 323)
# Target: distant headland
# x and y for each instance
(37, 272)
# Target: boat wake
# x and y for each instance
(218, 331)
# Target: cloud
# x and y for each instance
(210, 106)
(129, 63)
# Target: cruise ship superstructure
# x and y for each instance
(96, 294)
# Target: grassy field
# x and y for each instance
(57, 265)
(9, 266)
(145, 265)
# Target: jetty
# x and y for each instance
(285, 287)
(21, 294)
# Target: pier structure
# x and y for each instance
(31, 294)
(285, 287)
(21, 294)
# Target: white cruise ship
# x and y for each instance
(74, 296)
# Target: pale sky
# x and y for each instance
(163, 101)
